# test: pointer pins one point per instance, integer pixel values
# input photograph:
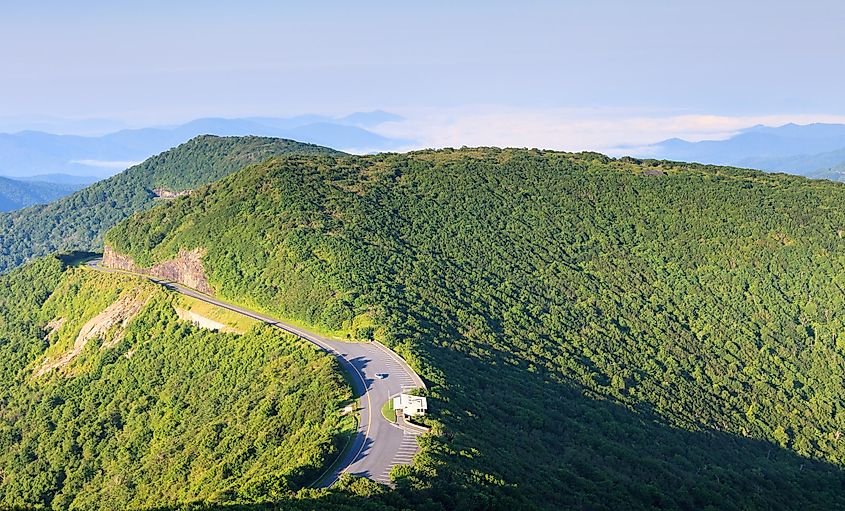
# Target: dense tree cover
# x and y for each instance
(153, 412)
(16, 194)
(78, 221)
(596, 333)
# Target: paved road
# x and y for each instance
(379, 444)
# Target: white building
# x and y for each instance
(410, 405)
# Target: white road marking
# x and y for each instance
(397, 368)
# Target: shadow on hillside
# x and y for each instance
(552, 447)
(517, 439)
(349, 445)
(77, 257)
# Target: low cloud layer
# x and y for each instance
(611, 131)
(106, 164)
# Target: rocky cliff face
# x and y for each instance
(186, 268)
(163, 193)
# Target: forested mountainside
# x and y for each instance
(16, 194)
(110, 401)
(596, 333)
(78, 221)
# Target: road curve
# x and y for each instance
(379, 445)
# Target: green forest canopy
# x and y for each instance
(15, 194)
(78, 221)
(597, 333)
(153, 411)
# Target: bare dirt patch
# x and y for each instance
(53, 326)
(202, 321)
(113, 319)
(163, 193)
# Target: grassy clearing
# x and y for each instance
(237, 322)
(387, 410)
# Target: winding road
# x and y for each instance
(379, 444)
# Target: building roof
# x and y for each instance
(407, 400)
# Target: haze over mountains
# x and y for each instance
(30, 153)
(16, 194)
(812, 150)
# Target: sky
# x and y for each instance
(565, 74)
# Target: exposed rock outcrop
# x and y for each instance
(202, 321)
(163, 193)
(116, 316)
(186, 268)
(53, 326)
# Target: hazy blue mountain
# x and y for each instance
(29, 153)
(352, 137)
(369, 119)
(63, 179)
(835, 173)
(804, 164)
(290, 122)
(810, 150)
(60, 125)
(16, 194)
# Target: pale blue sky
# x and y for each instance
(585, 61)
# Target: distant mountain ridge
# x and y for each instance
(811, 150)
(16, 194)
(78, 221)
(29, 153)
(63, 179)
